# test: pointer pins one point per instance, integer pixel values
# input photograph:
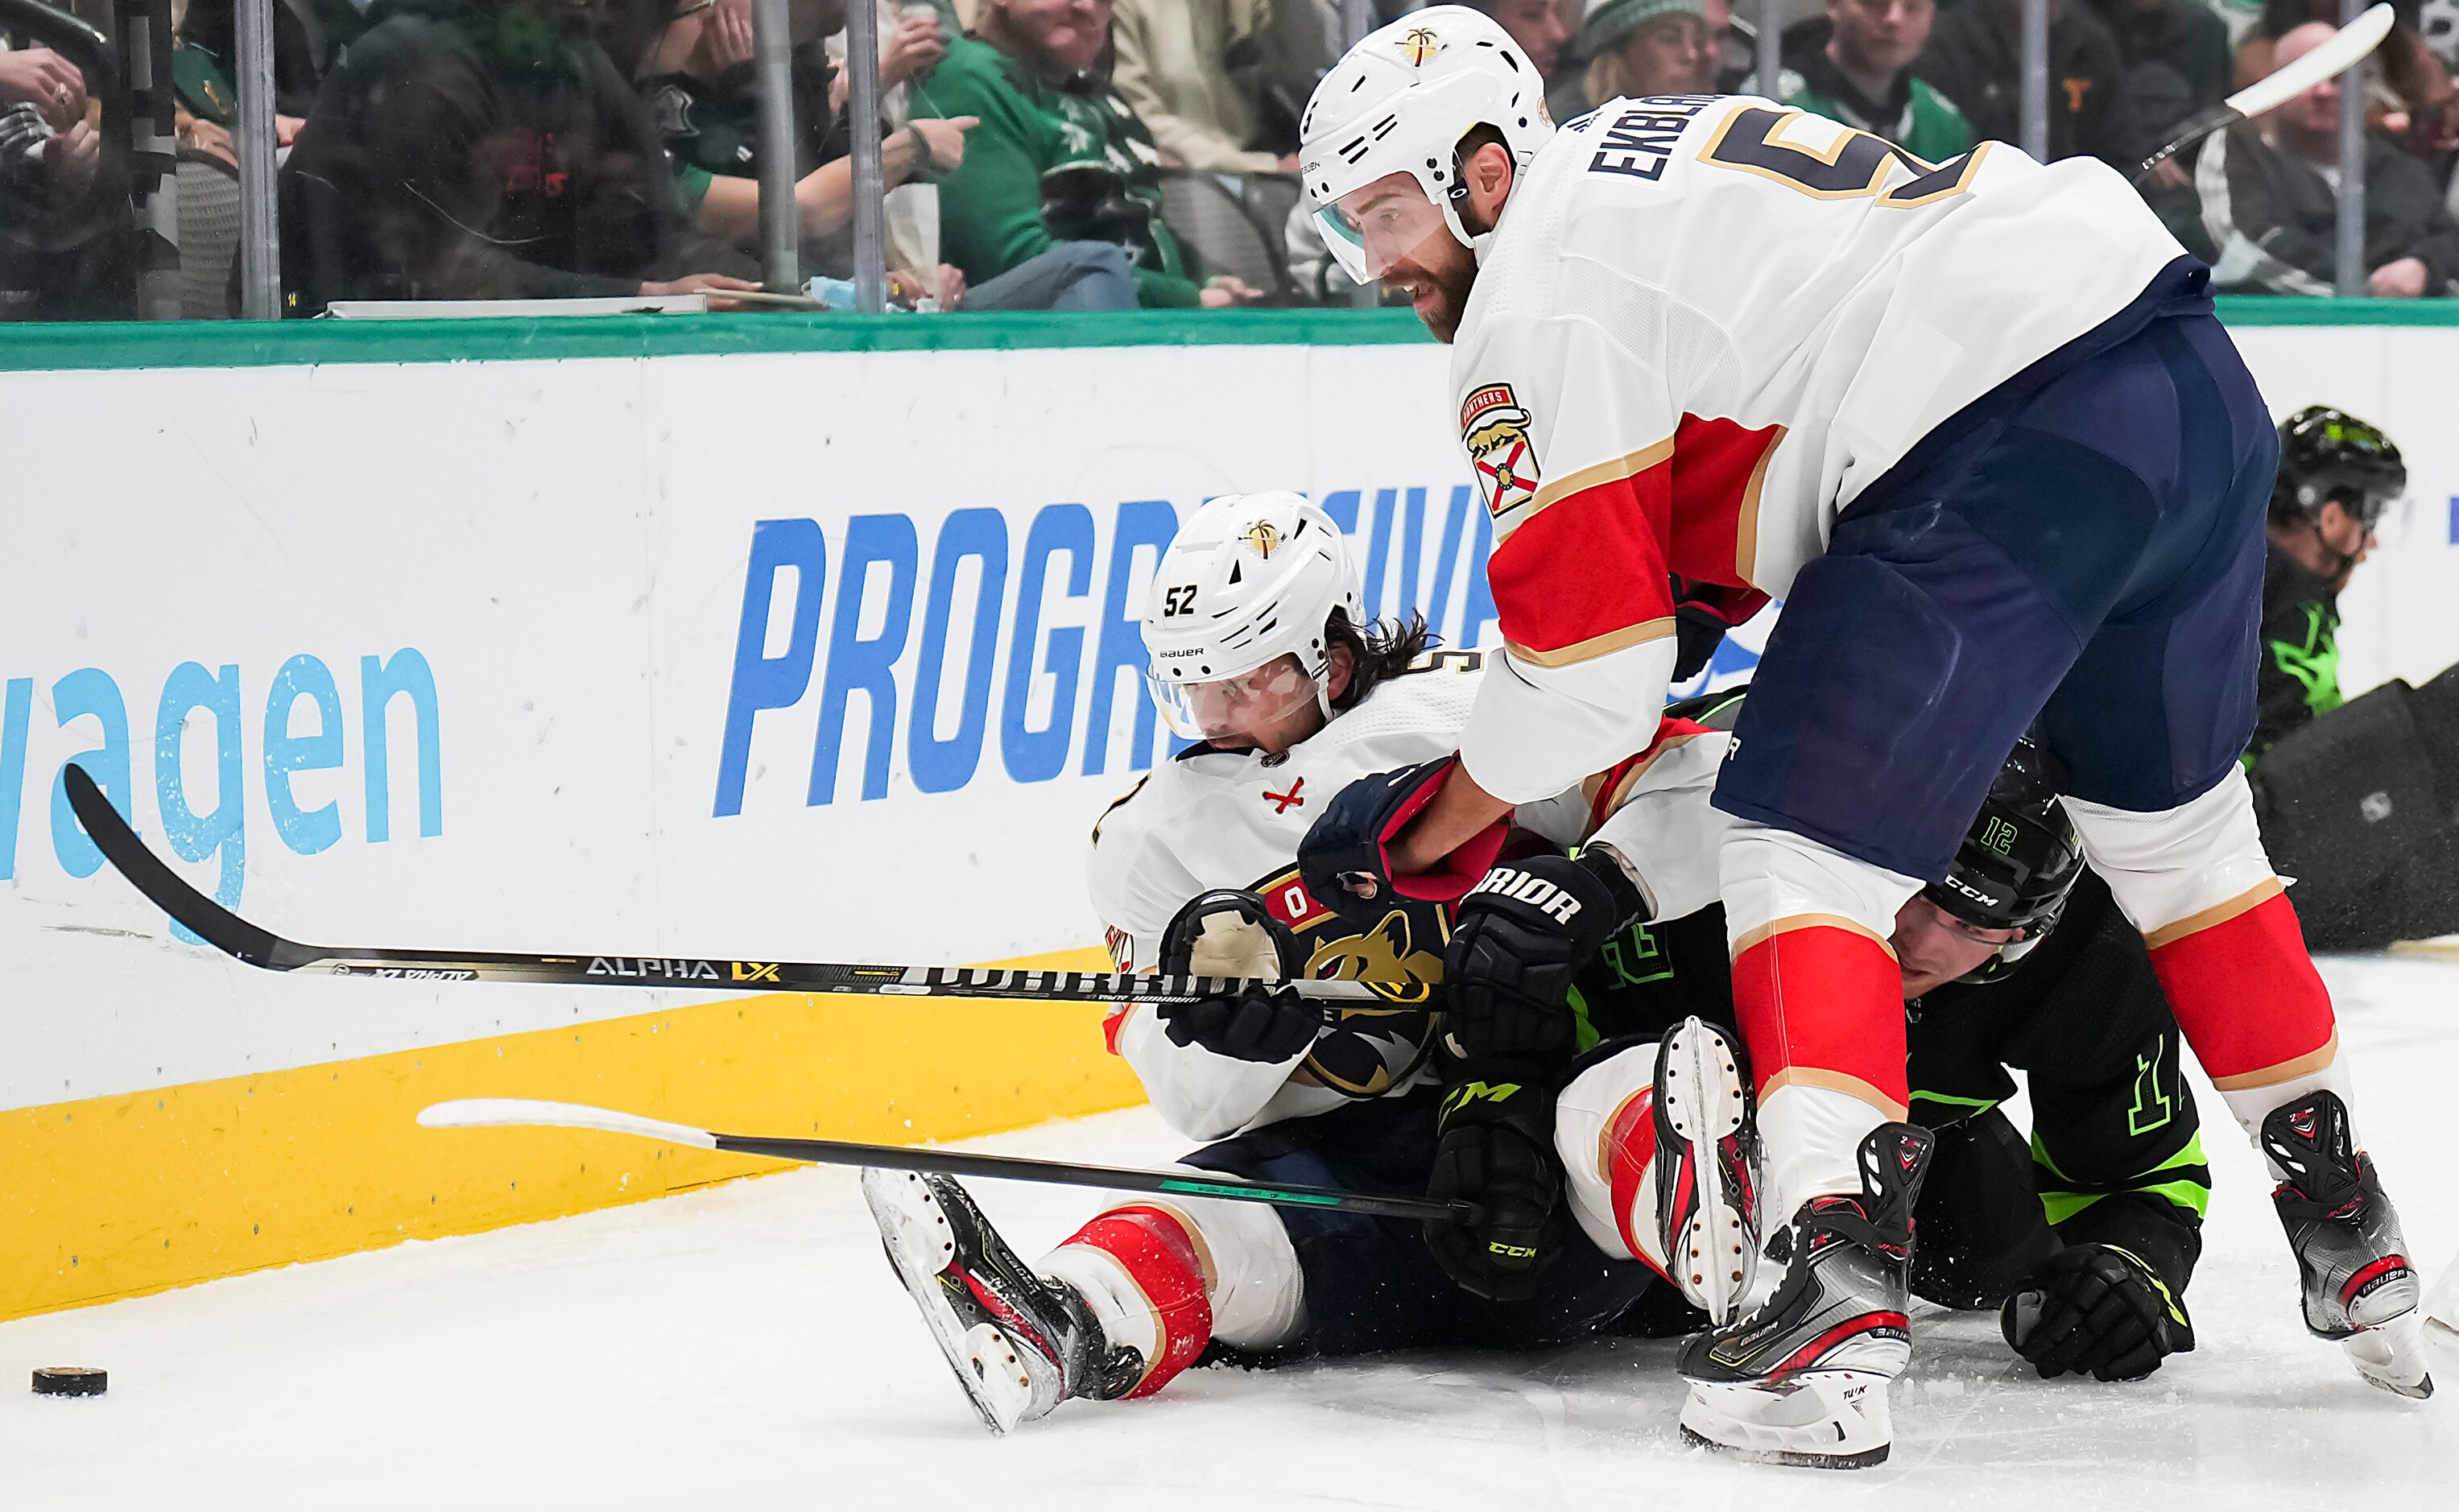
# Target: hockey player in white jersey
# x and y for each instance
(1259, 652)
(1976, 423)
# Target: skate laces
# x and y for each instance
(1829, 1221)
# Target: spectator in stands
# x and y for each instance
(42, 167)
(306, 38)
(1221, 83)
(1538, 26)
(42, 79)
(1056, 158)
(2177, 56)
(1648, 46)
(469, 151)
(1975, 58)
(703, 96)
(2425, 113)
(1863, 76)
(2270, 208)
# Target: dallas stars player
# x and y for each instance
(2355, 794)
(1259, 652)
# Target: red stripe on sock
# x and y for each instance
(1161, 1260)
(1823, 998)
(2245, 992)
(1630, 1149)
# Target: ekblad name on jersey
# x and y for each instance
(1233, 819)
(1704, 325)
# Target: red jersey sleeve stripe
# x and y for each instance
(1600, 474)
(1586, 576)
(1608, 790)
(1719, 468)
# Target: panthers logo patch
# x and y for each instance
(1419, 45)
(1372, 1047)
(1494, 429)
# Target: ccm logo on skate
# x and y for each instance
(1536, 892)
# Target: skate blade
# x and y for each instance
(1829, 1420)
(914, 1233)
(1703, 1100)
(2393, 1355)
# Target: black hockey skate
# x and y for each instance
(1803, 1379)
(1019, 1344)
(1707, 1168)
(2359, 1287)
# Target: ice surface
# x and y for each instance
(746, 1349)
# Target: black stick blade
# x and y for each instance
(208, 920)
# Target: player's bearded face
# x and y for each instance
(1389, 231)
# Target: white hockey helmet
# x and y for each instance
(1399, 101)
(1250, 579)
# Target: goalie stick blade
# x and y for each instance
(2351, 45)
(526, 1113)
(206, 919)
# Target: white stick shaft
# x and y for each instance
(2351, 45)
(523, 1112)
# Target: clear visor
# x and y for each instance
(1371, 229)
(1225, 708)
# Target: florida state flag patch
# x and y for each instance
(1494, 427)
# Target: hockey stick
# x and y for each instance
(2349, 47)
(521, 1113)
(233, 935)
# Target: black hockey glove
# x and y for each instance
(1494, 1146)
(2098, 1310)
(1266, 1025)
(1230, 934)
(1520, 937)
(1342, 860)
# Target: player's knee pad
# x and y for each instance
(2343, 797)
(2174, 863)
(1767, 874)
(1605, 1137)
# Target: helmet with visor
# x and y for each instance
(1380, 133)
(1235, 625)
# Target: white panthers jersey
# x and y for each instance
(1233, 819)
(1703, 326)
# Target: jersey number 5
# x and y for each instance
(1855, 168)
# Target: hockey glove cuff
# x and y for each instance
(1521, 936)
(1343, 860)
(2096, 1310)
(1494, 1146)
(1227, 932)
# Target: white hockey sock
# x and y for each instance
(1811, 1136)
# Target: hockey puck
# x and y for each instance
(70, 1380)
